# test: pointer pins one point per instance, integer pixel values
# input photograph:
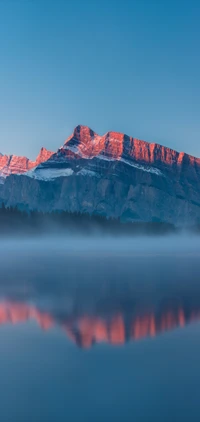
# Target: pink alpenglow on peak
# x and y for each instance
(43, 155)
(13, 164)
(85, 143)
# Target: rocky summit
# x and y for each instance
(114, 175)
(13, 164)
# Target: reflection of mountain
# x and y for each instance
(116, 329)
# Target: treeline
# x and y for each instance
(13, 220)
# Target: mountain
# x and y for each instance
(12, 164)
(113, 175)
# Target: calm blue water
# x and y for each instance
(96, 335)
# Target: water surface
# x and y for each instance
(106, 330)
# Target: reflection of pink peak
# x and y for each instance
(12, 164)
(87, 330)
(19, 312)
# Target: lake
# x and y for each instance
(100, 330)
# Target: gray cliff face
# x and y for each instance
(145, 198)
(113, 175)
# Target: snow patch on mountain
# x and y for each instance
(149, 169)
(72, 148)
(48, 174)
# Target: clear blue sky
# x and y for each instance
(128, 66)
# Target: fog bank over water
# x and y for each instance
(100, 273)
(102, 245)
(94, 290)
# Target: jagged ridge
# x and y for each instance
(13, 164)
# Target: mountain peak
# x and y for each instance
(13, 164)
(80, 128)
(43, 155)
(81, 132)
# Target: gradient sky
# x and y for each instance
(129, 66)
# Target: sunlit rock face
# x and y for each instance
(114, 175)
(13, 164)
(85, 143)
